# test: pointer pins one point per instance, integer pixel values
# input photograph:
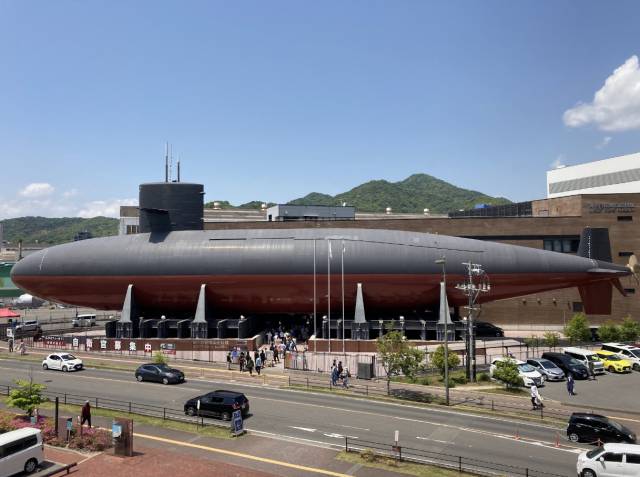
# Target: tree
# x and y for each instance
(629, 329)
(26, 396)
(398, 356)
(507, 371)
(609, 331)
(533, 342)
(159, 358)
(577, 329)
(437, 358)
(551, 339)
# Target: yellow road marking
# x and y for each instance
(264, 460)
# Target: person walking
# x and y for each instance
(249, 365)
(536, 399)
(10, 345)
(345, 378)
(263, 357)
(85, 414)
(334, 375)
(229, 360)
(258, 364)
(570, 385)
(241, 361)
(592, 373)
(22, 348)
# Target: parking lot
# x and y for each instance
(609, 391)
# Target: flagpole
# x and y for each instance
(315, 329)
(329, 291)
(343, 323)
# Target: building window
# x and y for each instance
(625, 218)
(577, 307)
(562, 245)
(630, 290)
(133, 229)
(625, 254)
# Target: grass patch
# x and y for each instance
(218, 432)
(368, 459)
(507, 391)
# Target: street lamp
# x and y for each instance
(472, 290)
(443, 261)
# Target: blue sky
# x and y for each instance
(272, 100)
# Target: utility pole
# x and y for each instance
(472, 290)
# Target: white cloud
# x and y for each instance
(559, 162)
(604, 143)
(37, 189)
(40, 199)
(106, 208)
(615, 106)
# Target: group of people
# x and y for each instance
(246, 362)
(22, 347)
(339, 373)
(536, 398)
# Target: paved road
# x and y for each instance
(324, 419)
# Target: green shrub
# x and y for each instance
(577, 329)
(437, 359)
(629, 329)
(609, 331)
(506, 371)
(483, 377)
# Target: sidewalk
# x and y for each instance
(167, 452)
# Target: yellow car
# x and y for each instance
(614, 363)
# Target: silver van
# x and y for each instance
(586, 356)
(20, 451)
(84, 320)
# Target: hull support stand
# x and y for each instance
(199, 325)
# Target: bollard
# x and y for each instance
(97, 403)
(460, 463)
(129, 407)
(492, 408)
(517, 433)
(366, 389)
(164, 413)
(346, 443)
(557, 439)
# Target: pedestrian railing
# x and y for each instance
(128, 407)
(449, 461)
(415, 394)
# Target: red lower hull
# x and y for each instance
(281, 293)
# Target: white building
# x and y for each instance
(609, 176)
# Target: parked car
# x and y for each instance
(218, 404)
(28, 326)
(586, 356)
(84, 320)
(484, 329)
(63, 361)
(631, 353)
(528, 373)
(548, 369)
(610, 460)
(587, 427)
(21, 450)
(614, 363)
(567, 364)
(159, 373)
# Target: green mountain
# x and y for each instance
(413, 194)
(48, 231)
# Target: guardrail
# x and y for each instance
(415, 394)
(129, 407)
(449, 461)
(65, 468)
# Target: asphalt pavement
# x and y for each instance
(325, 419)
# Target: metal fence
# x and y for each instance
(129, 407)
(416, 394)
(450, 461)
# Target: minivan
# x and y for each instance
(585, 356)
(27, 326)
(84, 320)
(217, 404)
(610, 460)
(20, 451)
(567, 364)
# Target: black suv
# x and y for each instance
(592, 428)
(218, 404)
(567, 364)
(160, 373)
(484, 329)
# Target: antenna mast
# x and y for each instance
(166, 162)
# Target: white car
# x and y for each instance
(528, 373)
(63, 361)
(84, 320)
(610, 460)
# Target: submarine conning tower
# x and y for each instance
(171, 206)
